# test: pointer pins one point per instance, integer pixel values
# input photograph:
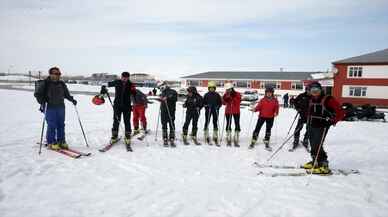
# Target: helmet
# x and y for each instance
(269, 89)
(98, 99)
(315, 87)
(192, 89)
(211, 84)
(228, 86)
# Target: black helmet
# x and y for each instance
(192, 89)
(269, 89)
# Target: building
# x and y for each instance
(143, 79)
(362, 79)
(102, 77)
(284, 82)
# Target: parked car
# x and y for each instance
(250, 95)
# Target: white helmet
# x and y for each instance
(161, 85)
(228, 86)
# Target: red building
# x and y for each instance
(362, 79)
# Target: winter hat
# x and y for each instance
(228, 86)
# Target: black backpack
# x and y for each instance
(40, 91)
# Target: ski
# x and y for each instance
(109, 146)
(307, 172)
(67, 153)
(143, 135)
(86, 154)
(333, 171)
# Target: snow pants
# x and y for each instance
(55, 118)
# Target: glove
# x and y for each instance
(103, 90)
(74, 102)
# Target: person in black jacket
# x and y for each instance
(301, 104)
(193, 105)
(212, 102)
(124, 89)
(50, 94)
(168, 99)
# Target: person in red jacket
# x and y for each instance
(232, 100)
(323, 112)
(268, 108)
(139, 108)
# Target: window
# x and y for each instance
(297, 86)
(219, 83)
(355, 71)
(193, 83)
(243, 84)
(357, 91)
(274, 84)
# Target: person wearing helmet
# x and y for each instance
(268, 108)
(51, 94)
(323, 112)
(232, 101)
(168, 99)
(212, 102)
(124, 89)
(301, 104)
(139, 107)
(193, 105)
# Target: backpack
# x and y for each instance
(40, 91)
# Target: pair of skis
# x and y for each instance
(299, 171)
(72, 153)
(111, 144)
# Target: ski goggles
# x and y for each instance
(315, 90)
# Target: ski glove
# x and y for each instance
(103, 90)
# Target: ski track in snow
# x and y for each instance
(187, 181)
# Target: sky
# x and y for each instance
(173, 38)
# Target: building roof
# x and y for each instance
(251, 75)
(380, 56)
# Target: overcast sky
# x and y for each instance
(172, 38)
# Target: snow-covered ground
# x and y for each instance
(186, 181)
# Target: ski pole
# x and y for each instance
(169, 117)
(80, 123)
(42, 132)
(289, 130)
(223, 128)
(157, 126)
(280, 147)
(318, 151)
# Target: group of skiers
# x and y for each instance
(315, 109)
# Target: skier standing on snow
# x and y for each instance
(124, 89)
(285, 100)
(139, 107)
(168, 99)
(193, 105)
(50, 94)
(323, 112)
(268, 108)
(301, 104)
(232, 101)
(212, 102)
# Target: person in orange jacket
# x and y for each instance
(232, 101)
(268, 108)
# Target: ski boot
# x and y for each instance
(172, 143)
(253, 143)
(63, 145)
(115, 137)
(266, 143)
(322, 169)
(207, 137)
(194, 138)
(136, 131)
(236, 139)
(54, 146)
(294, 146)
(127, 141)
(229, 138)
(165, 142)
(184, 138)
(215, 137)
(308, 165)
